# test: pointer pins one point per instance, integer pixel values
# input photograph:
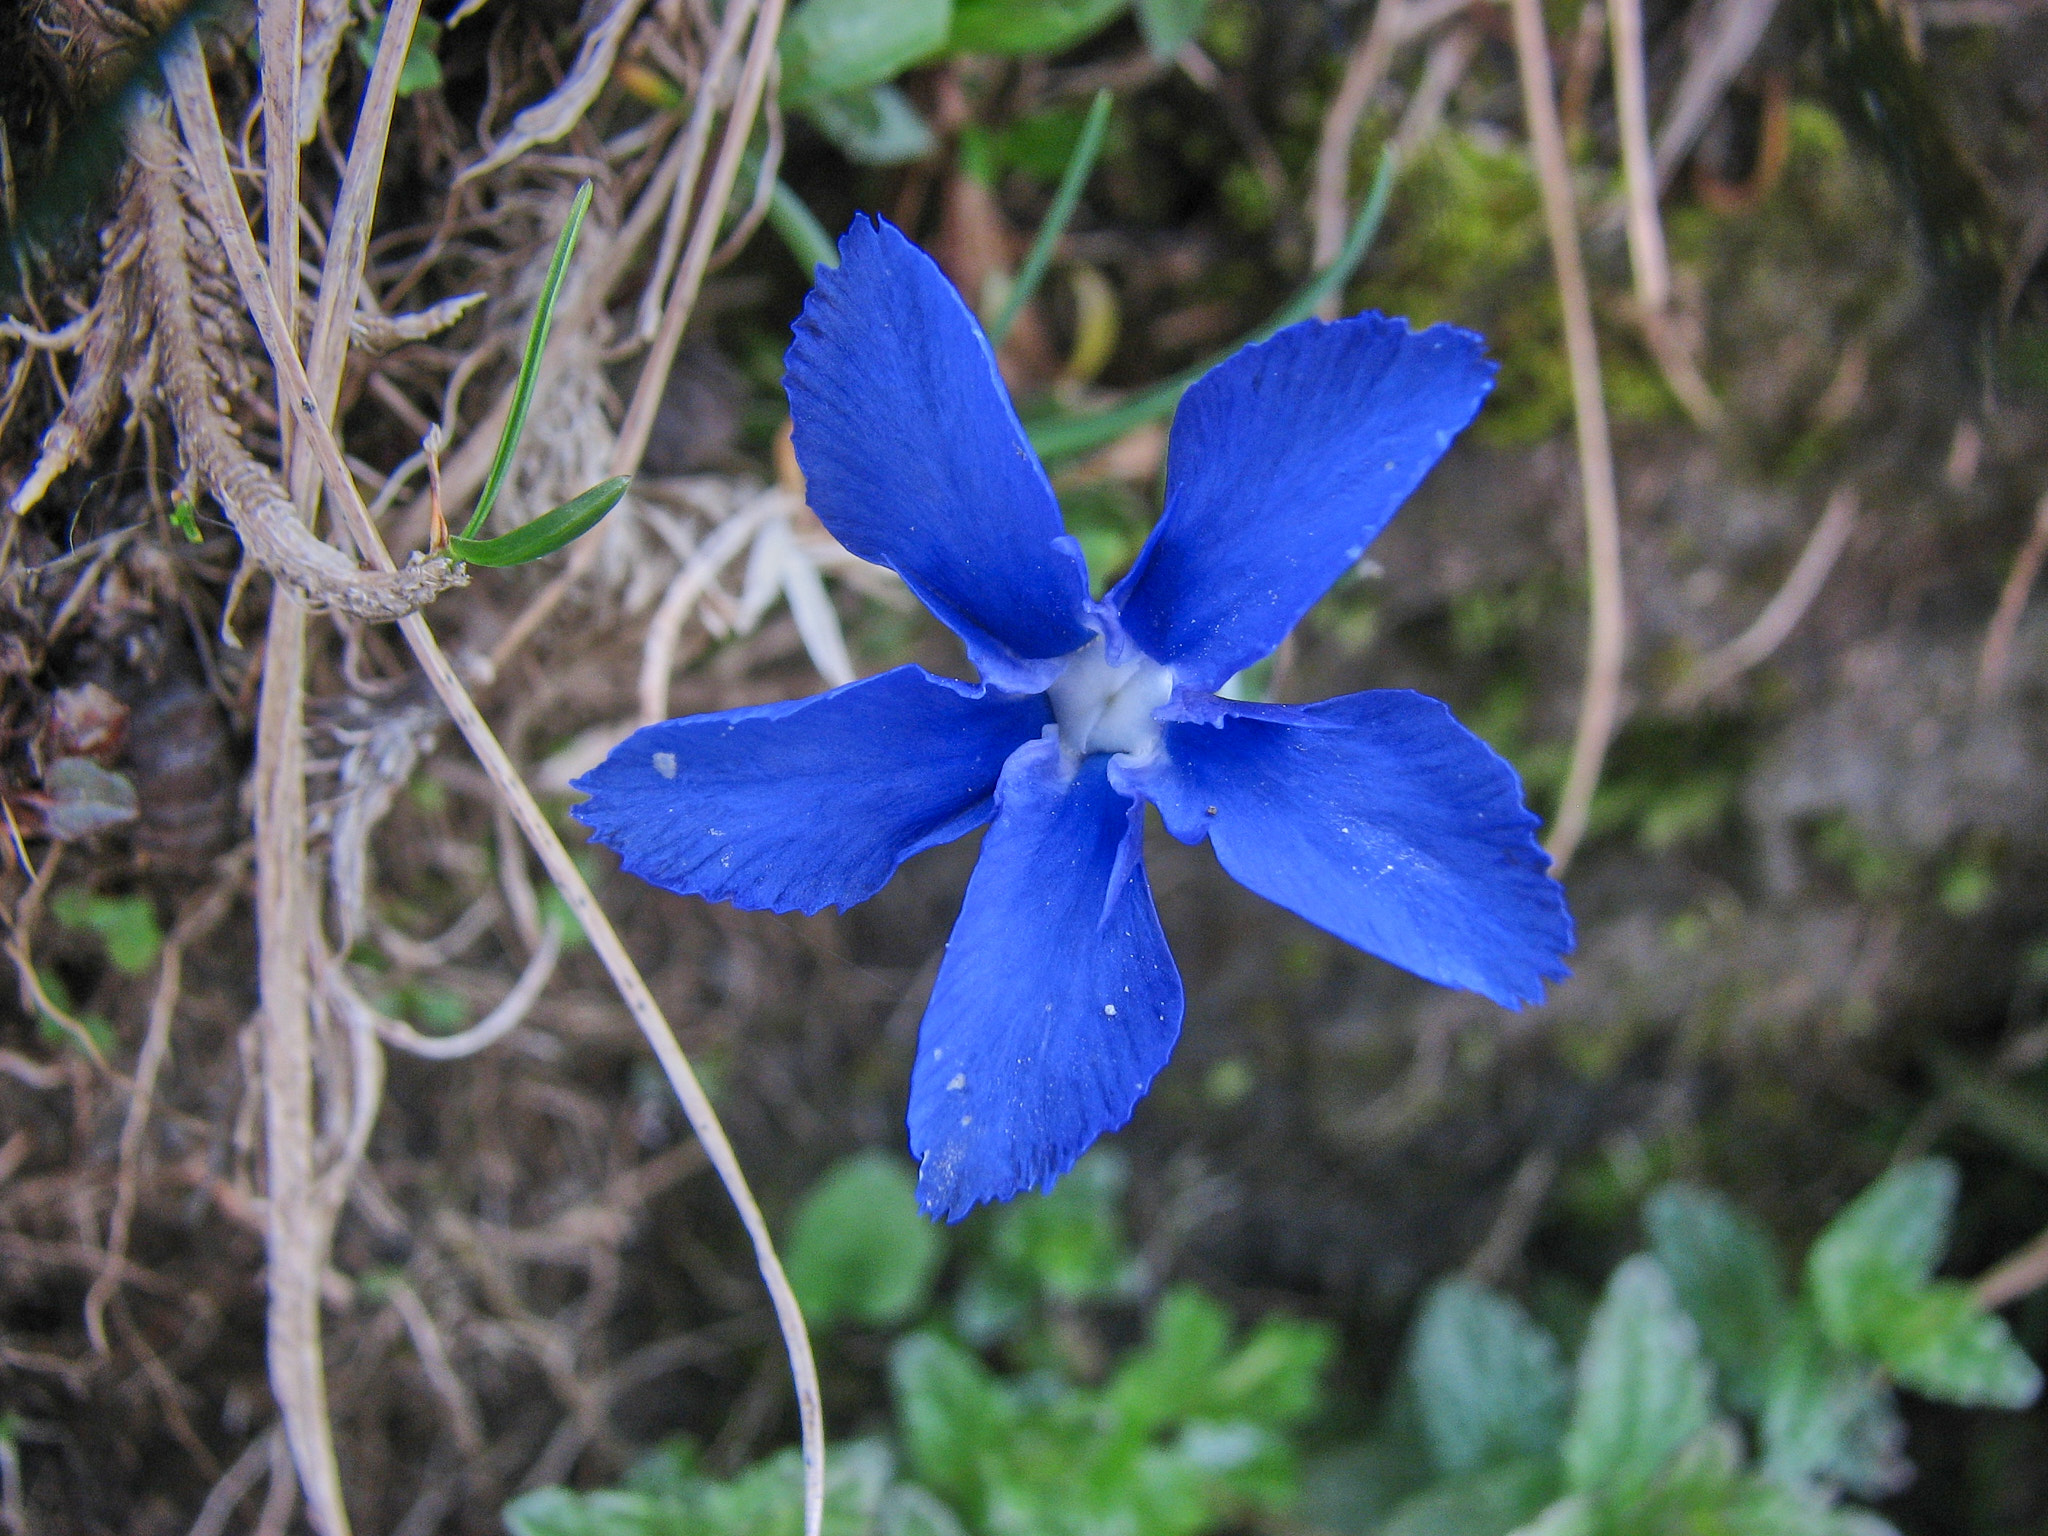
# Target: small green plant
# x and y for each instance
(126, 926)
(1692, 1344)
(1191, 1431)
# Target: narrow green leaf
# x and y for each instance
(1064, 201)
(830, 46)
(1064, 436)
(1644, 1388)
(184, 518)
(546, 533)
(1488, 1380)
(1573, 1515)
(1170, 25)
(1029, 26)
(1725, 1269)
(1883, 1247)
(858, 1247)
(800, 230)
(1943, 1344)
(529, 370)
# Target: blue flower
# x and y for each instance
(1376, 815)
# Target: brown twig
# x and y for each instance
(2019, 1275)
(1996, 657)
(1781, 615)
(1648, 257)
(1600, 703)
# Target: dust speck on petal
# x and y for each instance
(665, 764)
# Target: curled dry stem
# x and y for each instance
(317, 573)
(1600, 702)
(202, 127)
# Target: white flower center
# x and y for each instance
(1104, 708)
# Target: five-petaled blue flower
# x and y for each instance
(1376, 815)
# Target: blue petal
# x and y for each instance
(1286, 461)
(1057, 1001)
(915, 459)
(1378, 817)
(807, 804)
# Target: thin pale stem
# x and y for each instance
(1600, 702)
(202, 125)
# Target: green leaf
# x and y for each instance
(1169, 1378)
(1725, 1270)
(953, 1417)
(859, 1248)
(1644, 1389)
(1572, 1515)
(1170, 25)
(1488, 1380)
(874, 126)
(529, 369)
(908, 1510)
(1883, 1246)
(185, 518)
(1029, 26)
(1070, 1243)
(546, 533)
(421, 70)
(833, 46)
(126, 925)
(1829, 1418)
(1064, 201)
(1943, 1344)
(1491, 1502)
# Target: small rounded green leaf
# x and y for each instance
(1725, 1269)
(859, 1248)
(830, 46)
(1488, 1380)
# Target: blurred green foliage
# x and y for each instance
(1707, 1396)
(126, 926)
(1191, 1430)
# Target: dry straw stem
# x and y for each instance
(1781, 615)
(638, 425)
(2020, 1275)
(198, 921)
(1600, 703)
(1996, 657)
(1648, 258)
(202, 128)
(1394, 22)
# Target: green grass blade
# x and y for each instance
(545, 534)
(800, 230)
(529, 368)
(1064, 201)
(1061, 437)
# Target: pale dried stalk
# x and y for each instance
(1996, 657)
(1600, 703)
(638, 425)
(1781, 615)
(202, 127)
(665, 628)
(198, 921)
(96, 392)
(548, 120)
(488, 1031)
(1648, 258)
(1394, 22)
(2020, 1275)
